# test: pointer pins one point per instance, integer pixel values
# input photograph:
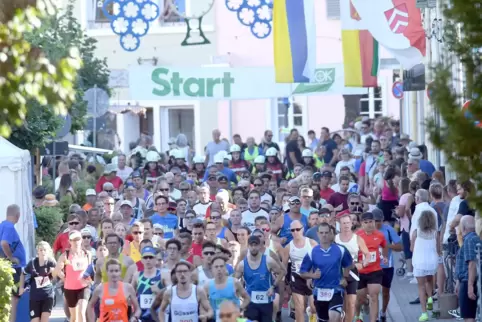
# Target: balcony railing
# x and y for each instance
(171, 21)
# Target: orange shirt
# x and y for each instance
(374, 241)
(87, 207)
(113, 308)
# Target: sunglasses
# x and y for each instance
(258, 185)
(295, 229)
(354, 203)
(212, 179)
(215, 217)
(209, 253)
(167, 189)
(295, 203)
(266, 229)
(73, 223)
(137, 232)
(108, 191)
(86, 237)
(159, 234)
(148, 257)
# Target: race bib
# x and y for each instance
(380, 250)
(259, 297)
(109, 302)
(42, 281)
(146, 301)
(79, 264)
(373, 257)
(325, 294)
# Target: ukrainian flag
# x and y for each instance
(294, 34)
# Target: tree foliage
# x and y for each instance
(56, 35)
(6, 287)
(458, 135)
(26, 75)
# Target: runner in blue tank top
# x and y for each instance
(224, 287)
(257, 270)
(282, 224)
(144, 281)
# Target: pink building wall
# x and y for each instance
(243, 49)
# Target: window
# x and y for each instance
(290, 115)
(371, 104)
(333, 9)
(167, 17)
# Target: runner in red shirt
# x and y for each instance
(371, 273)
(197, 244)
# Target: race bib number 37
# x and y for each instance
(259, 297)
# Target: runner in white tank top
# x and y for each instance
(184, 309)
(295, 252)
(351, 245)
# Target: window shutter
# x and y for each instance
(333, 9)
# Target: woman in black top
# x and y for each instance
(41, 288)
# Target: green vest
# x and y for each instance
(318, 163)
(250, 157)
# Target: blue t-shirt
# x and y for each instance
(10, 235)
(168, 223)
(329, 262)
(306, 212)
(427, 167)
(312, 233)
(391, 237)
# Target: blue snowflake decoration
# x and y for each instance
(130, 20)
(256, 14)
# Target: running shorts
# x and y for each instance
(298, 285)
(259, 312)
(72, 297)
(38, 307)
(323, 308)
(387, 277)
(370, 278)
(351, 283)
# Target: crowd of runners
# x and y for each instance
(238, 232)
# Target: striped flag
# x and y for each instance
(294, 35)
(360, 49)
(397, 26)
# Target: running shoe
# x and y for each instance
(430, 304)
(383, 318)
(423, 317)
(358, 319)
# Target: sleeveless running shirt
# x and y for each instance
(297, 254)
(351, 245)
(123, 269)
(258, 281)
(184, 309)
(74, 271)
(203, 279)
(145, 296)
(217, 296)
(113, 308)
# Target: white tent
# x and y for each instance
(15, 176)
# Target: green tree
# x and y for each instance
(25, 74)
(56, 35)
(458, 135)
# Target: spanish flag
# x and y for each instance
(360, 49)
(294, 36)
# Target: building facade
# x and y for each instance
(233, 47)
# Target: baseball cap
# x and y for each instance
(317, 176)
(377, 214)
(256, 231)
(222, 178)
(275, 208)
(148, 251)
(254, 240)
(367, 216)
(136, 174)
(212, 177)
(126, 203)
(343, 213)
(39, 192)
(327, 174)
(90, 192)
(294, 198)
(85, 231)
(75, 234)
